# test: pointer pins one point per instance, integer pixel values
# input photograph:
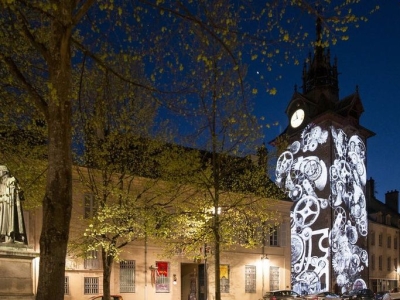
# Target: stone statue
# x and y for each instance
(12, 227)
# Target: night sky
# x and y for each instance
(370, 59)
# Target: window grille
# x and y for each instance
(66, 285)
(127, 276)
(273, 278)
(163, 277)
(250, 279)
(91, 285)
(91, 262)
(224, 279)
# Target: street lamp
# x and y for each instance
(264, 259)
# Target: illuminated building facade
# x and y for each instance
(323, 171)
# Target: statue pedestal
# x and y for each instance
(17, 272)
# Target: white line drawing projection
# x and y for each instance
(347, 183)
(321, 193)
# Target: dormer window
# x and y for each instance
(379, 217)
(388, 219)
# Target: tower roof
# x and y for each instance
(319, 76)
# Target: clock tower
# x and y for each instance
(323, 171)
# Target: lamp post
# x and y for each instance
(264, 258)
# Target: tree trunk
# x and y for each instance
(217, 257)
(107, 268)
(57, 202)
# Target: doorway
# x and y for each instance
(194, 281)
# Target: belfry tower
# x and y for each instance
(323, 171)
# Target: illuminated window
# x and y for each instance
(91, 285)
(380, 262)
(127, 276)
(389, 242)
(389, 263)
(224, 278)
(250, 279)
(90, 206)
(66, 285)
(273, 278)
(91, 262)
(380, 240)
(163, 277)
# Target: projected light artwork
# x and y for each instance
(324, 174)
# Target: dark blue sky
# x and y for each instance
(370, 59)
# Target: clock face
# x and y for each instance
(297, 118)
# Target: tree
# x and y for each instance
(130, 170)
(43, 42)
(223, 213)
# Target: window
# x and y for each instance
(389, 263)
(395, 264)
(90, 206)
(389, 242)
(273, 236)
(372, 238)
(388, 220)
(162, 277)
(91, 285)
(379, 217)
(92, 260)
(380, 262)
(273, 278)
(127, 276)
(250, 279)
(395, 242)
(66, 285)
(224, 278)
(373, 261)
(380, 240)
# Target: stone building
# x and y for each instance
(143, 272)
(383, 235)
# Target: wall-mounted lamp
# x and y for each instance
(265, 256)
(174, 278)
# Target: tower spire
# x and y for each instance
(320, 75)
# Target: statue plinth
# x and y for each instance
(17, 271)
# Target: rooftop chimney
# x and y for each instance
(370, 190)
(392, 200)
